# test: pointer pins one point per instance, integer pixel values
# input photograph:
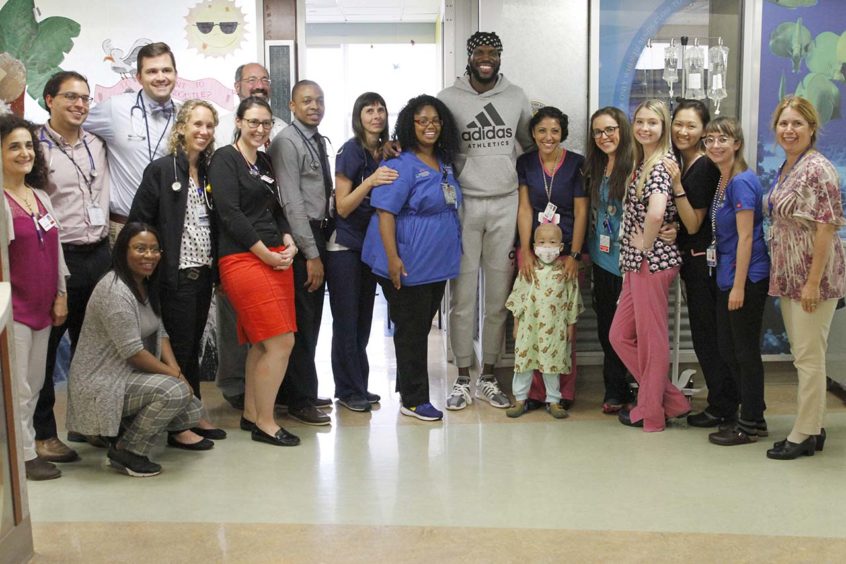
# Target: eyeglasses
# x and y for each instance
(227, 28)
(72, 97)
(607, 132)
(253, 80)
(255, 123)
(721, 140)
(424, 122)
(142, 250)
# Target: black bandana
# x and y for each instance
(483, 38)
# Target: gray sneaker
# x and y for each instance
(459, 397)
(488, 389)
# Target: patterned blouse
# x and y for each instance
(662, 255)
(810, 194)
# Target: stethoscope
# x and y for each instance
(312, 152)
(139, 105)
(176, 186)
(45, 137)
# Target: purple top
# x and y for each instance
(33, 267)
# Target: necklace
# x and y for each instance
(23, 198)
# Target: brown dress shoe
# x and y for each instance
(54, 450)
(40, 469)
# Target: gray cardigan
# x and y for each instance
(110, 335)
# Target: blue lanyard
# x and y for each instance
(53, 141)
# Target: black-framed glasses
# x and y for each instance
(227, 28)
(425, 122)
(72, 97)
(607, 132)
(255, 123)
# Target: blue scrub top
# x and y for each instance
(606, 224)
(354, 162)
(744, 192)
(428, 231)
(567, 185)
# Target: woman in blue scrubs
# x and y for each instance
(352, 287)
(413, 242)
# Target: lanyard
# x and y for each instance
(548, 187)
(89, 180)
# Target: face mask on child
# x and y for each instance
(547, 255)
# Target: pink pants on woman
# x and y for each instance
(640, 336)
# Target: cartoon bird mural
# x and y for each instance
(124, 65)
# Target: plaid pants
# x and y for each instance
(156, 403)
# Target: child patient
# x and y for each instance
(545, 311)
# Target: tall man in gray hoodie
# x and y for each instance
(492, 117)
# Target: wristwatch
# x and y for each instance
(576, 255)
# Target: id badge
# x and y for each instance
(605, 243)
(96, 216)
(449, 194)
(711, 256)
(556, 218)
(47, 222)
(549, 213)
(203, 216)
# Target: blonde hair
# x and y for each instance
(805, 108)
(664, 143)
(729, 127)
(176, 140)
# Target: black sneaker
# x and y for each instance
(309, 415)
(373, 398)
(354, 403)
(132, 464)
(703, 419)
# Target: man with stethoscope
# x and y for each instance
(78, 185)
(136, 127)
(302, 171)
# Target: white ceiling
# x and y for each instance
(371, 11)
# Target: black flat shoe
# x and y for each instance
(625, 417)
(213, 434)
(246, 424)
(785, 450)
(203, 444)
(820, 441)
(281, 438)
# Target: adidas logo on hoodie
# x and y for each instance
(488, 125)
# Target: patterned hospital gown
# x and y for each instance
(544, 309)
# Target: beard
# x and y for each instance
(476, 75)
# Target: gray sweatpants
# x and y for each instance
(487, 235)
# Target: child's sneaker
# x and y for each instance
(517, 410)
(557, 410)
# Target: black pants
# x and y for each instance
(299, 388)
(606, 291)
(185, 311)
(702, 296)
(739, 337)
(87, 264)
(412, 310)
(352, 289)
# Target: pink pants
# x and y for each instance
(640, 336)
(566, 382)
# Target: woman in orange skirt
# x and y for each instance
(256, 251)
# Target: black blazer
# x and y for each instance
(157, 204)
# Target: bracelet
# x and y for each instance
(682, 195)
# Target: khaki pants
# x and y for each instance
(808, 334)
(114, 229)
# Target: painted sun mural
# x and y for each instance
(215, 28)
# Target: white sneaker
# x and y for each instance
(488, 389)
(459, 397)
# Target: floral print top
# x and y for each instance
(662, 255)
(808, 195)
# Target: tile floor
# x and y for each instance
(478, 487)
